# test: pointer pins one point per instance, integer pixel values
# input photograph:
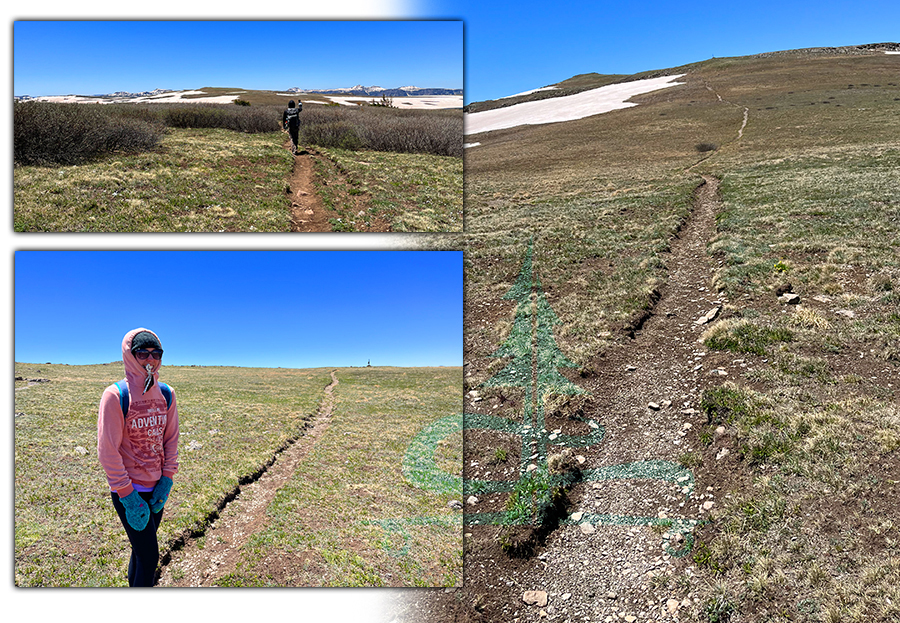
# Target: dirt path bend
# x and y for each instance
(245, 515)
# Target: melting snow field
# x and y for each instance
(567, 108)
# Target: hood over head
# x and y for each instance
(136, 373)
(291, 104)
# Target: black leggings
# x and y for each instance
(144, 548)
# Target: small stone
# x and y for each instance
(81, 450)
(630, 618)
(665, 404)
(630, 368)
(612, 595)
(653, 406)
(722, 454)
(566, 596)
(530, 468)
(472, 500)
(790, 298)
(577, 516)
(846, 312)
(455, 504)
(672, 606)
(535, 598)
(720, 430)
(707, 505)
(580, 459)
(587, 528)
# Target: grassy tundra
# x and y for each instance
(204, 167)
(233, 421)
(805, 145)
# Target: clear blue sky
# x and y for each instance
(293, 309)
(514, 47)
(95, 57)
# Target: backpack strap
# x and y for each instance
(167, 392)
(124, 399)
(123, 396)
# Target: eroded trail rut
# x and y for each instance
(245, 514)
(308, 213)
(614, 558)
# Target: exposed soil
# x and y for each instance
(245, 515)
(607, 572)
(308, 213)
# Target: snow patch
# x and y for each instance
(529, 92)
(567, 108)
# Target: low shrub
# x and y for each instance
(47, 133)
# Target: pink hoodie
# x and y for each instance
(138, 450)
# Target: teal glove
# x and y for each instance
(160, 494)
(136, 510)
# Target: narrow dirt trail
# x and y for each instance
(606, 569)
(308, 213)
(600, 563)
(245, 515)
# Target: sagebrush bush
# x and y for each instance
(46, 133)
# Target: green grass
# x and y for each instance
(349, 512)
(217, 180)
(66, 531)
(410, 192)
(807, 526)
(206, 180)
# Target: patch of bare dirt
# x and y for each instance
(308, 213)
(244, 516)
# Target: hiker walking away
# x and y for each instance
(290, 121)
(137, 443)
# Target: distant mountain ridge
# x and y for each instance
(364, 91)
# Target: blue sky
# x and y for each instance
(515, 47)
(291, 309)
(96, 57)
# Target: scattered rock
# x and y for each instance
(535, 598)
(672, 606)
(81, 450)
(630, 368)
(708, 316)
(472, 500)
(577, 516)
(587, 528)
(455, 504)
(708, 504)
(653, 406)
(722, 454)
(612, 595)
(630, 618)
(790, 298)
(720, 430)
(846, 312)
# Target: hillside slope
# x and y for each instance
(737, 454)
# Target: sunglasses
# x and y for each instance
(142, 354)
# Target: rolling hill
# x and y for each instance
(696, 297)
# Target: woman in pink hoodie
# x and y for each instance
(139, 450)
